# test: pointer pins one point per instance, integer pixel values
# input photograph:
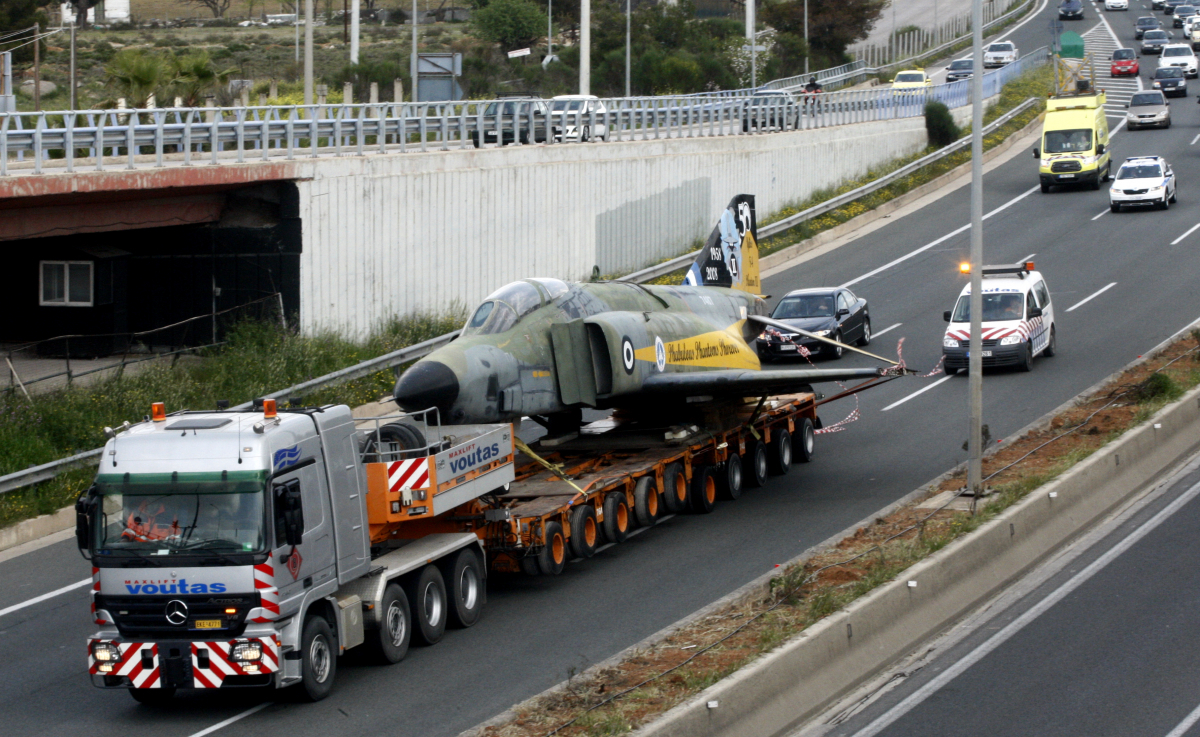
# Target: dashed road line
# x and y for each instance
(1090, 297)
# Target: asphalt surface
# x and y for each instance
(537, 631)
(1098, 642)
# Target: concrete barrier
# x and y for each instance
(797, 681)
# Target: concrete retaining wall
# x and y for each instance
(795, 682)
(388, 235)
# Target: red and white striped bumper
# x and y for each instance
(208, 664)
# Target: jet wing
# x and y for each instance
(747, 382)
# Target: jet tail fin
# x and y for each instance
(730, 257)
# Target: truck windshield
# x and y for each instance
(1065, 142)
(182, 513)
(996, 307)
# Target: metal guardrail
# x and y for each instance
(48, 471)
(951, 43)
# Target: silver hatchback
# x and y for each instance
(1148, 109)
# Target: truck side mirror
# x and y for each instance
(946, 315)
(86, 506)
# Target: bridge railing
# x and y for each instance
(35, 143)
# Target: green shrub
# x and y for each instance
(939, 124)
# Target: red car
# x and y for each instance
(1124, 63)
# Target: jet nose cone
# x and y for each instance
(427, 384)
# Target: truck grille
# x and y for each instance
(1069, 165)
(146, 616)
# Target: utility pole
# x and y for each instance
(975, 360)
(585, 47)
(308, 52)
(628, 48)
(807, 53)
(751, 37)
(345, 21)
(74, 101)
(37, 67)
(412, 71)
(354, 30)
(296, 25)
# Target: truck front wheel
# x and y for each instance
(319, 659)
(395, 625)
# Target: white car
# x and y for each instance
(1116, 4)
(999, 54)
(1143, 180)
(1179, 55)
(578, 118)
(1017, 320)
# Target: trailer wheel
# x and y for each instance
(646, 502)
(780, 455)
(616, 517)
(675, 488)
(703, 496)
(553, 557)
(318, 653)
(467, 588)
(427, 593)
(390, 641)
(805, 441)
(585, 531)
(152, 696)
(393, 438)
(731, 478)
(757, 456)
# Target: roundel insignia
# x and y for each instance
(627, 354)
(660, 354)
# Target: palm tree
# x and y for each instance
(137, 76)
(193, 75)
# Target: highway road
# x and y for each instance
(1136, 267)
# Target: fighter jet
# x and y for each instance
(546, 348)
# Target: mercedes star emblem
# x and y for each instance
(177, 612)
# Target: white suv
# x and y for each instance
(1143, 180)
(1017, 320)
(1179, 55)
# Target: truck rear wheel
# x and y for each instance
(390, 641)
(780, 455)
(616, 517)
(703, 496)
(731, 478)
(646, 505)
(805, 441)
(152, 696)
(585, 531)
(318, 653)
(675, 488)
(427, 593)
(553, 557)
(757, 458)
(467, 592)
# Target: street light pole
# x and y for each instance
(628, 15)
(412, 70)
(806, 51)
(751, 37)
(585, 47)
(308, 52)
(975, 359)
(549, 30)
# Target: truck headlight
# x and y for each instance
(247, 651)
(106, 652)
(1011, 340)
(948, 342)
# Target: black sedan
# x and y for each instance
(827, 312)
(1146, 23)
(1171, 81)
(1070, 10)
(1154, 41)
(1170, 5)
(959, 69)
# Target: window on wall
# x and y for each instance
(66, 284)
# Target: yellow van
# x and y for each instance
(1074, 142)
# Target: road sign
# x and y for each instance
(759, 48)
(450, 64)
(518, 52)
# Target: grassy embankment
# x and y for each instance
(258, 358)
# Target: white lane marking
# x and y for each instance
(232, 719)
(43, 597)
(1186, 724)
(881, 332)
(918, 392)
(1197, 138)
(1019, 623)
(943, 239)
(1102, 213)
(1089, 298)
(1185, 235)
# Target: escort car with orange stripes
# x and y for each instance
(1018, 320)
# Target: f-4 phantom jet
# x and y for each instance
(546, 348)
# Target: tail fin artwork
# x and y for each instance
(730, 258)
